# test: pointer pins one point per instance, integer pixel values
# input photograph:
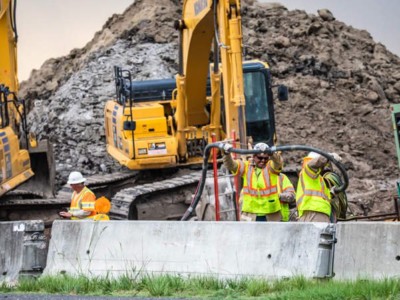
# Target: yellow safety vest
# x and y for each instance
(312, 193)
(284, 185)
(83, 201)
(260, 192)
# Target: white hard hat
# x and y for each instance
(313, 155)
(261, 146)
(75, 177)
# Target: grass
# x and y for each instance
(209, 287)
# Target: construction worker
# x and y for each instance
(82, 199)
(286, 196)
(265, 188)
(313, 197)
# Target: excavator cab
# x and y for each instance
(140, 125)
(259, 108)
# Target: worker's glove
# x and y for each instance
(286, 197)
(277, 161)
(336, 156)
(277, 157)
(226, 149)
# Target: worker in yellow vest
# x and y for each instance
(82, 199)
(286, 196)
(263, 188)
(313, 197)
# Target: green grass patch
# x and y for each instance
(209, 287)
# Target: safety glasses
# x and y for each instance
(265, 158)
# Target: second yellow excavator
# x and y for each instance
(162, 124)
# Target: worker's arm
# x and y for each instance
(230, 163)
(288, 194)
(317, 164)
(277, 162)
(80, 213)
(87, 206)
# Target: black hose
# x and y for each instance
(271, 150)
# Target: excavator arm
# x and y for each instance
(202, 22)
(8, 41)
(8, 58)
(230, 45)
(14, 162)
(20, 154)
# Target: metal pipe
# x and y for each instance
(236, 180)
(215, 171)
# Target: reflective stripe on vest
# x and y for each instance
(260, 192)
(241, 167)
(78, 204)
(312, 193)
(314, 196)
(256, 191)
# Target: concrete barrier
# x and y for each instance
(367, 250)
(222, 249)
(23, 250)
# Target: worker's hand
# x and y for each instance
(226, 149)
(286, 197)
(65, 214)
(317, 161)
(336, 156)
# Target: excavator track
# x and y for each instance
(157, 200)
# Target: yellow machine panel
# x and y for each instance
(150, 120)
(146, 146)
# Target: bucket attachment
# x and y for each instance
(42, 184)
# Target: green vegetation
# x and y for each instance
(209, 287)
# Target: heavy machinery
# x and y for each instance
(396, 129)
(27, 177)
(27, 169)
(154, 125)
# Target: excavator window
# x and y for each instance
(259, 109)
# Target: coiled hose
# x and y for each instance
(285, 148)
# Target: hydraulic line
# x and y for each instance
(269, 151)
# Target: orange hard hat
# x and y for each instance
(102, 205)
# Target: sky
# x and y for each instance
(52, 28)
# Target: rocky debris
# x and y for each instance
(341, 86)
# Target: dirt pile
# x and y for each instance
(341, 86)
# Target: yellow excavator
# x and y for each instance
(27, 168)
(158, 124)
